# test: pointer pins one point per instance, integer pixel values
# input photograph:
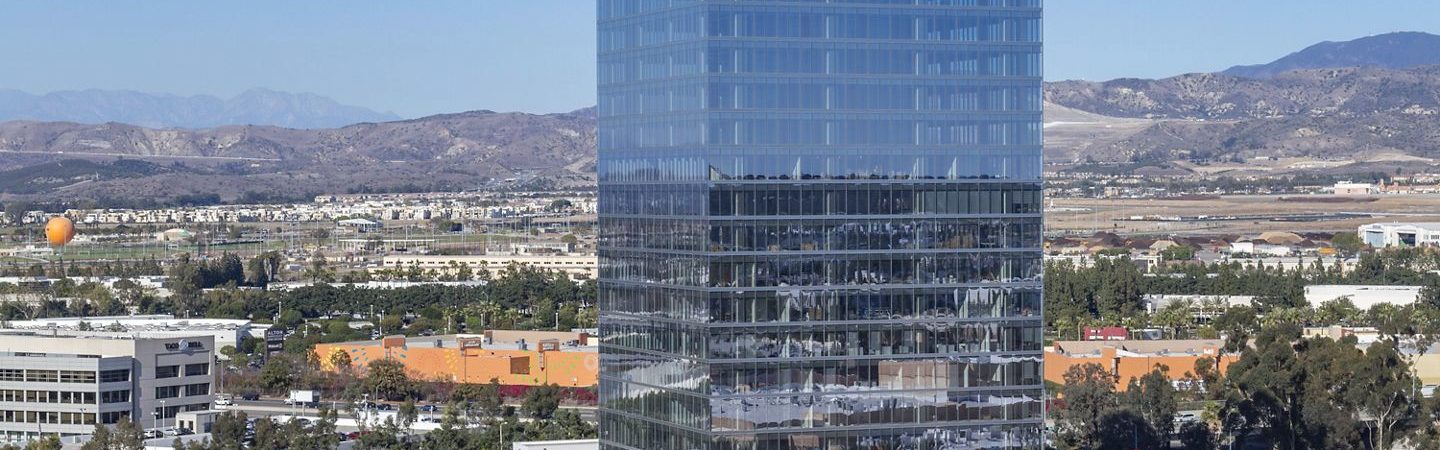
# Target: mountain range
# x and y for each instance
(252, 107)
(1401, 50)
(443, 152)
(1366, 113)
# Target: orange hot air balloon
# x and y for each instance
(59, 231)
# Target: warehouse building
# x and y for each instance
(514, 358)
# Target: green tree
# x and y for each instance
(124, 435)
(1383, 392)
(1347, 242)
(540, 402)
(1196, 436)
(388, 379)
(278, 374)
(1178, 253)
(1089, 393)
(340, 361)
(1126, 429)
(1153, 397)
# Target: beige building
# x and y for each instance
(62, 383)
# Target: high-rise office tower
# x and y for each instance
(820, 224)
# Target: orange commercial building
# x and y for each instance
(514, 358)
(1133, 359)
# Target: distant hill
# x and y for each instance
(1402, 50)
(252, 107)
(1325, 113)
(443, 152)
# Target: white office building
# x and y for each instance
(225, 331)
(62, 383)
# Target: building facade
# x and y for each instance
(63, 384)
(511, 358)
(820, 224)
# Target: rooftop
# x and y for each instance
(1134, 348)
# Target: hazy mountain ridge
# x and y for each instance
(450, 151)
(252, 107)
(1402, 50)
(1355, 110)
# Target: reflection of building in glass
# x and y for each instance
(820, 224)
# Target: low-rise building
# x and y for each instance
(574, 265)
(1395, 234)
(1349, 188)
(519, 358)
(1131, 359)
(1363, 296)
(223, 331)
(575, 444)
(64, 383)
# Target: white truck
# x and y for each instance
(306, 398)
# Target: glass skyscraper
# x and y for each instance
(820, 224)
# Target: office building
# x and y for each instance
(820, 224)
(62, 383)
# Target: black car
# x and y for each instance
(250, 396)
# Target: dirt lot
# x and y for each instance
(1084, 216)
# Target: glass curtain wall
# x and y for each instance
(820, 224)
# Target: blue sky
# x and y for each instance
(435, 56)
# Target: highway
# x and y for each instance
(266, 408)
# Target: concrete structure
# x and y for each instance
(1395, 234)
(375, 244)
(359, 225)
(1348, 188)
(1363, 335)
(1133, 359)
(577, 444)
(224, 331)
(1364, 296)
(174, 235)
(197, 421)
(1205, 306)
(1260, 248)
(63, 383)
(521, 358)
(574, 265)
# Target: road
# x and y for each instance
(266, 408)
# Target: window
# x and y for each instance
(167, 391)
(83, 398)
(41, 376)
(167, 371)
(12, 375)
(197, 389)
(112, 376)
(520, 366)
(115, 396)
(197, 369)
(77, 376)
(113, 417)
